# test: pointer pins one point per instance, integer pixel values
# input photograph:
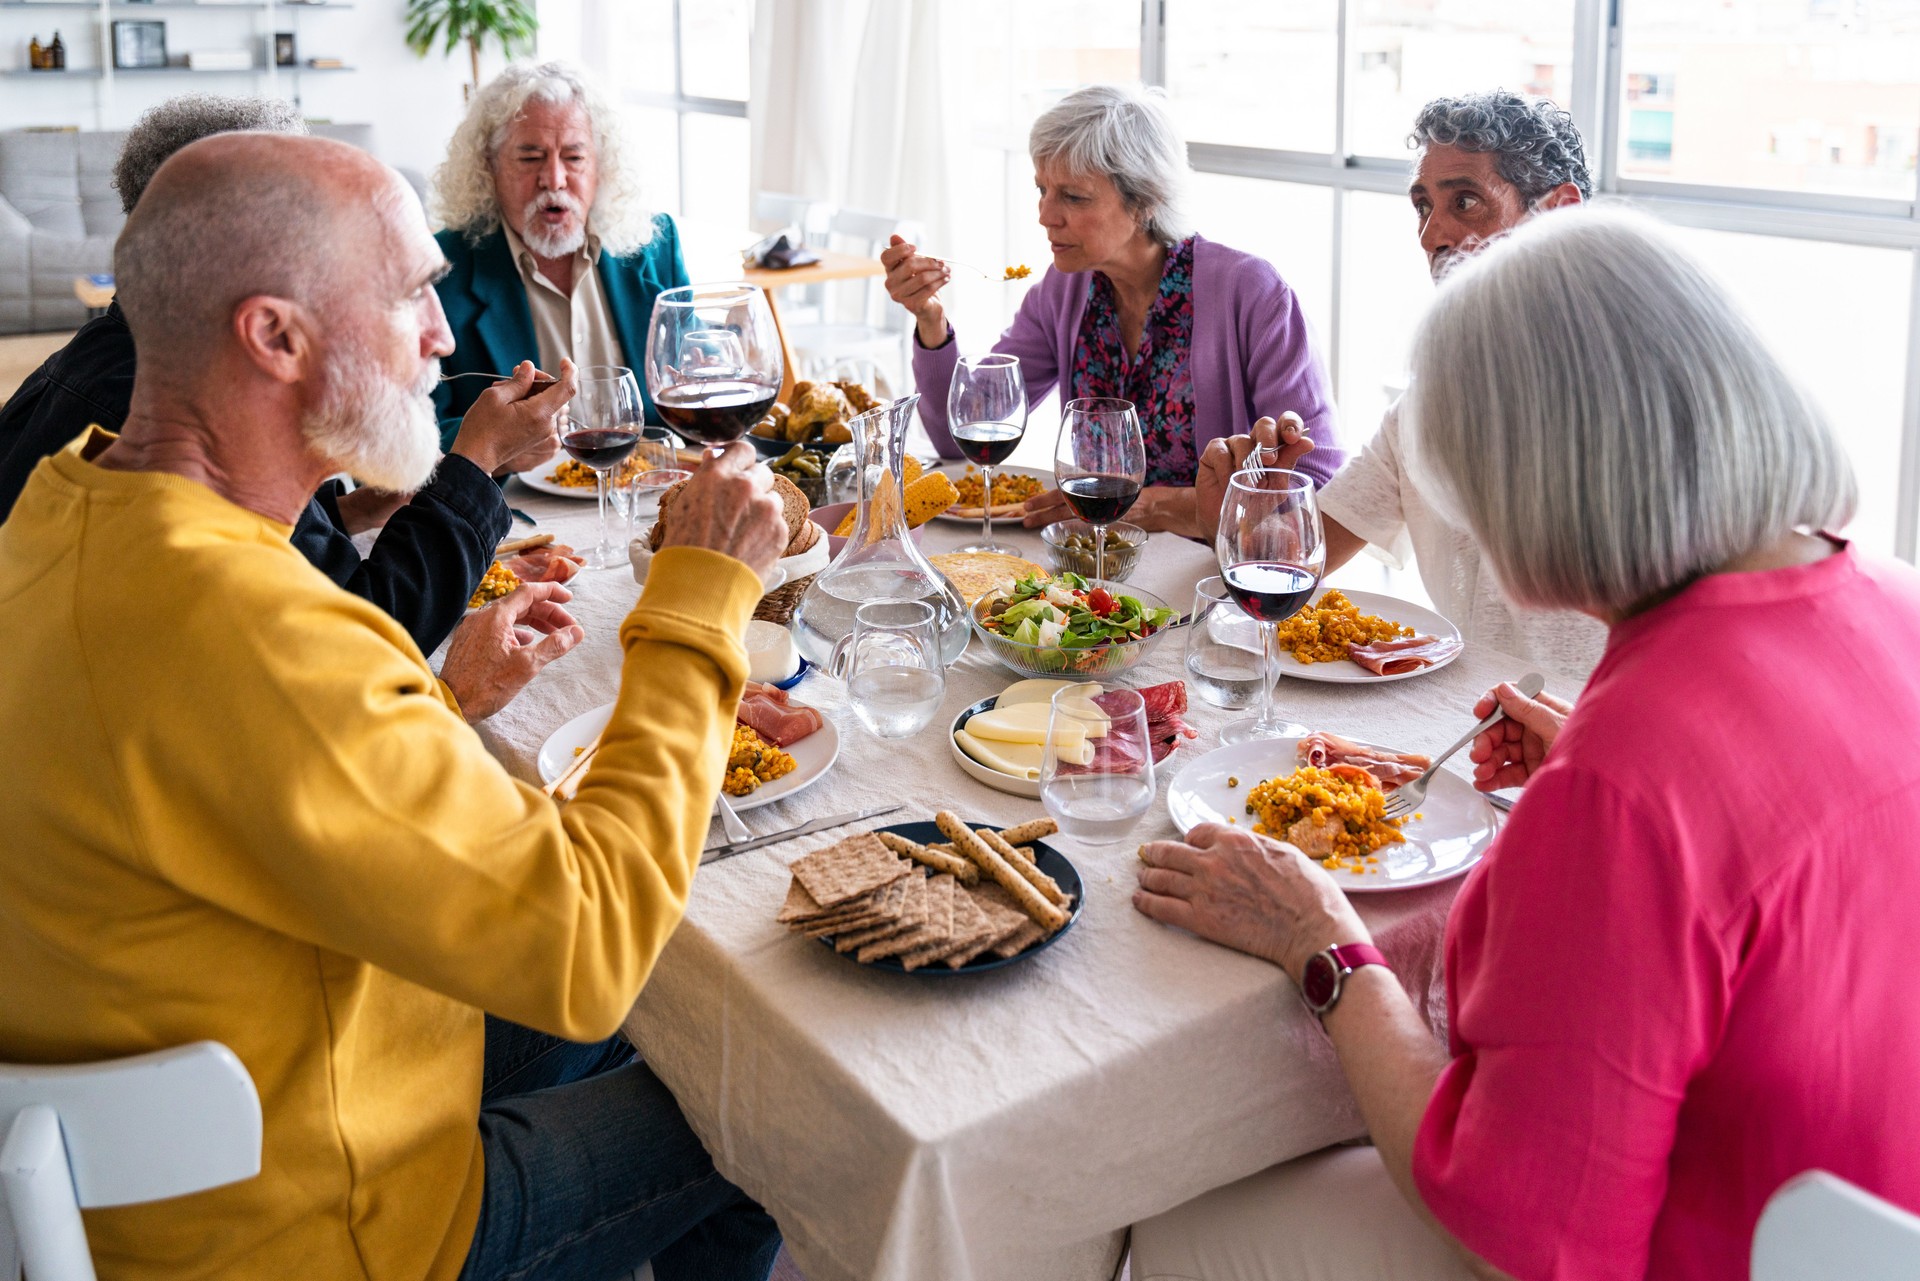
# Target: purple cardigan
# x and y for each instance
(1252, 354)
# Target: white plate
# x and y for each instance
(537, 480)
(1013, 785)
(812, 756)
(1347, 672)
(1455, 827)
(955, 470)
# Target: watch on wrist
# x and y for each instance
(1326, 974)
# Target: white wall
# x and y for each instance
(412, 103)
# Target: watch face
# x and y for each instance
(1319, 980)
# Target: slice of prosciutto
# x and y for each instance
(1398, 657)
(554, 563)
(1165, 704)
(1388, 769)
(776, 718)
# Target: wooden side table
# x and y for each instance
(832, 266)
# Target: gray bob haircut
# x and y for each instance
(463, 190)
(1592, 405)
(1534, 144)
(171, 125)
(1128, 135)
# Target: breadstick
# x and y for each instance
(526, 544)
(1033, 875)
(935, 859)
(1031, 830)
(1031, 901)
(569, 781)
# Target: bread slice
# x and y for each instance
(801, 533)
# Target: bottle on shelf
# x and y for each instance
(36, 55)
(57, 54)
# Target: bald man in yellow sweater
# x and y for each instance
(248, 811)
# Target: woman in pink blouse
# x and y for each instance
(1682, 975)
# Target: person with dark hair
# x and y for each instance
(1484, 163)
(436, 544)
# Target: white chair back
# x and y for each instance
(773, 210)
(117, 1133)
(1818, 1227)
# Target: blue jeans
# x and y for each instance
(591, 1170)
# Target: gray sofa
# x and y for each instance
(59, 215)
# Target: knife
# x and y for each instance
(719, 852)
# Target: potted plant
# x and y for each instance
(512, 21)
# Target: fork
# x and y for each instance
(1407, 797)
(730, 821)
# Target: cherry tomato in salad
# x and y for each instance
(1101, 601)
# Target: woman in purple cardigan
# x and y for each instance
(1203, 339)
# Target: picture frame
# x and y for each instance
(139, 44)
(283, 50)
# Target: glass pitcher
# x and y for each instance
(879, 561)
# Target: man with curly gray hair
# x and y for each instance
(552, 255)
(1484, 163)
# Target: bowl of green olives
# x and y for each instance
(1070, 548)
(807, 469)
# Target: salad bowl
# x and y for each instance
(1103, 638)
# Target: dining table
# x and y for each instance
(1008, 1124)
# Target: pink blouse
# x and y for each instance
(1685, 972)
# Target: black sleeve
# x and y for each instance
(430, 557)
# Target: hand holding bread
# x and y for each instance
(729, 506)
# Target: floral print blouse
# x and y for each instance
(1156, 378)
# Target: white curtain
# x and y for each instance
(851, 104)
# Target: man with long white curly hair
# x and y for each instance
(551, 252)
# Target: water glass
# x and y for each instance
(1097, 785)
(1224, 659)
(891, 664)
(638, 497)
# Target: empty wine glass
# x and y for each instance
(713, 360)
(987, 415)
(605, 417)
(1095, 784)
(1272, 553)
(1100, 464)
(891, 663)
(1223, 658)
(637, 494)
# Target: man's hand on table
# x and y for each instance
(1285, 441)
(497, 650)
(1508, 754)
(1257, 896)
(509, 430)
(730, 507)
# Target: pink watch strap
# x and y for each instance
(1351, 956)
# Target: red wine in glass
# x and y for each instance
(601, 448)
(987, 444)
(1101, 500)
(1271, 591)
(715, 412)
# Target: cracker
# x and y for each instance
(912, 914)
(1031, 830)
(971, 932)
(855, 866)
(882, 905)
(799, 904)
(1031, 901)
(936, 935)
(1017, 931)
(1025, 866)
(1024, 936)
(950, 863)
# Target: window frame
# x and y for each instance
(683, 104)
(1595, 103)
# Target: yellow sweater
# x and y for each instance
(242, 808)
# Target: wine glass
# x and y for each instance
(891, 663)
(1272, 553)
(605, 417)
(987, 414)
(713, 360)
(1100, 465)
(637, 495)
(1097, 785)
(1223, 656)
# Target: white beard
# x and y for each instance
(380, 433)
(561, 242)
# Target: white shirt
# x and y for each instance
(1375, 498)
(577, 326)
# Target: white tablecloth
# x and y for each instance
(1004, 1125)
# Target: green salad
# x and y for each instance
(1064, 612)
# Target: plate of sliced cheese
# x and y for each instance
(1001, 740)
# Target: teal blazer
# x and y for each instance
(486, 308)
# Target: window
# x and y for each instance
(1253, 73)
(1769, 94)
(681, 72)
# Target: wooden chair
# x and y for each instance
(117, 1133)
(1818, 1227)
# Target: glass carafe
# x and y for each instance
(879, 561)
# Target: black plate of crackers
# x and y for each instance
(944, 926)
